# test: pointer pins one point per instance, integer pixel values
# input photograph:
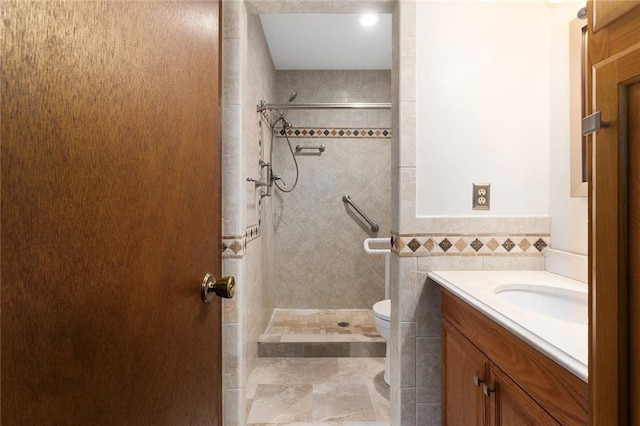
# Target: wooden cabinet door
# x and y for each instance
(511, 406)
(464, 370)
(110, 213)
(607, 11)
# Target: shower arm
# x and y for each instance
(327, 105)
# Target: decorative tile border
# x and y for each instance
(337, 132)
(419, 245)
(252, 232)
(234, 247)
(433, 244)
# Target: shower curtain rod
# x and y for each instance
(338, 105)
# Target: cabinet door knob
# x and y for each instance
(477, 380)
(487, 391)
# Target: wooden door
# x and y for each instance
(614, 357)
(110, 213)
(464, 370)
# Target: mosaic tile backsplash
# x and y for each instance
(416, 245)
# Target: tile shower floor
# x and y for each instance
(322, 321)
(321, 333)
(318, 391)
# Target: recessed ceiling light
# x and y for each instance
(368, 19)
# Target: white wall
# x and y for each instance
(568, 215)
(483, 106)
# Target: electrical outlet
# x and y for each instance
(481, 196)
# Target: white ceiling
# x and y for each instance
(327, 42)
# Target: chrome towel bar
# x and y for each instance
(374, 226)
(320, 148)
(263, 106)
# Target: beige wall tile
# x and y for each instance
(232, 196)
(407, 139)
(511, 263)
(233, 407)
(232, 155)
(357, 6)
(408, 407)
(428, 371)
(231, 71)
(232, 11)
(449, 263)
(428, 414)
(407, 295)
(300, 6)
(407, 203)
(408, 16)
(428, 310)
(231, 308)
(231, 355)
(407, 345)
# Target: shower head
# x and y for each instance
(293, 96)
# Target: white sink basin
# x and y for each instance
(558, 303)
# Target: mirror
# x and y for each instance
(577, 106)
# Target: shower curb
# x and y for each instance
(314, 348)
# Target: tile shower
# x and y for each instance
(320, 260)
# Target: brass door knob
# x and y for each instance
(224, 287)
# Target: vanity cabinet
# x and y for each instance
(491, 377)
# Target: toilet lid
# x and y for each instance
(382, 309)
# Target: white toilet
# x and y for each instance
(382, 317)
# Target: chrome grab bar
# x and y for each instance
(320, 148)
(387, 258)
(374, 226)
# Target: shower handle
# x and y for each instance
(278, 177)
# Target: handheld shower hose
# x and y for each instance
(285, 126)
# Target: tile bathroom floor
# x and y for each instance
(318, 391)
